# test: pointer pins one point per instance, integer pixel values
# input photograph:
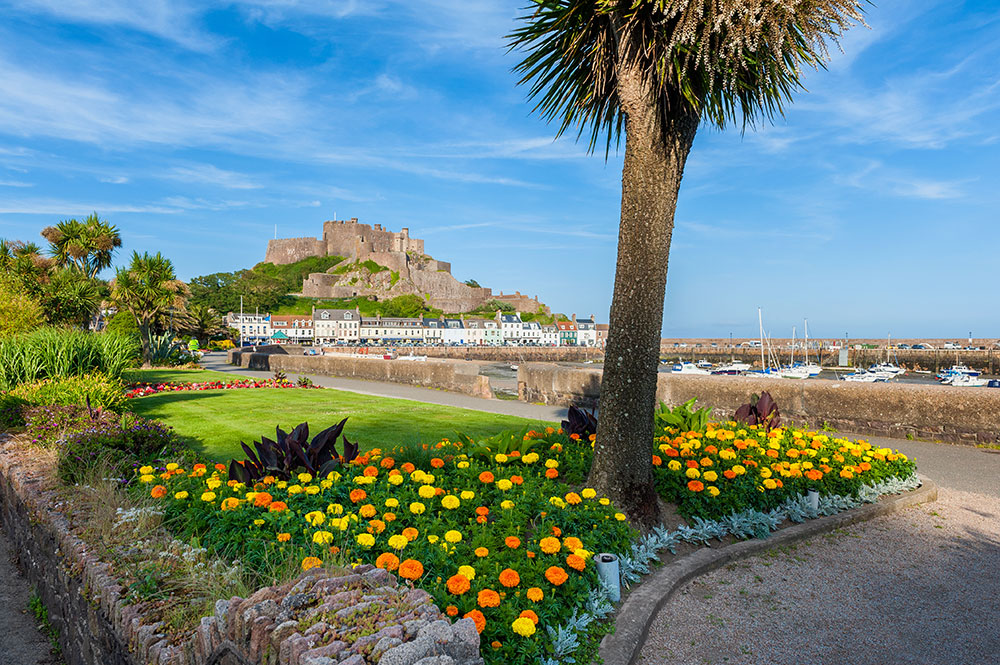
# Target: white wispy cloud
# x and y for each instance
(73, 207)
(209, 174)
(16, 183)
(115, 180)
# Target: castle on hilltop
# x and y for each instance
(409, 269)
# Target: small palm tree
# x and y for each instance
(147, 288)
(86, 246)
(655, 69)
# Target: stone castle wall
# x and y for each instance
(282, 251)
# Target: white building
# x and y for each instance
(511, 327)
(531, 333)
(336, 326)
(586, 331)
(453, 332)
(433, 331)
(391, 330)
(254, 328)
(550, 335)
(292, 328)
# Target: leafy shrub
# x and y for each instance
(99, 390)
(11, 411)
(683, 418)
(580, 422)
(761, 411)
(53, 353)
(293, 452)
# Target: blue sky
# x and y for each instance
(196, 126)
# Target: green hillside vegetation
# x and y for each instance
(405, 306)
(263, 287)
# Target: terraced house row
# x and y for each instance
(347, 327)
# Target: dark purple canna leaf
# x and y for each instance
(580, 422)
(350, 451)
(238, 472)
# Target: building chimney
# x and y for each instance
(574, 317)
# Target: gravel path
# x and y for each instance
(21, 643)
(921, 586)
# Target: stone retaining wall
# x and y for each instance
(941, 413)
(511, 354)
(354, 617)
(455, 377)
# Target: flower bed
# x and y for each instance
(507, 538)
(134, 390)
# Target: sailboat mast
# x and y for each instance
(760, 321)
(806, 322)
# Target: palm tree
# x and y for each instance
(86, 246)
(654, 69)
(147, 288)
(203, 322)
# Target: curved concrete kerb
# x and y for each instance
(640, 607)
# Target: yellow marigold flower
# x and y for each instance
(557, 502)
(304, 478)
(711, 476)
(366, 540)
(417, 508)
(326, 484)
(258, 522)
(739, 470)
(692, 473)
(551, 464)
(530, 458)
(315, 518)
(550, 545)
(392, 503)
(604, 501)
(770, 483)
(450, 502)
(620, 517)
(147, 478)
(145, 470)
(335, 509)
(213, 483)
(467, 571)
(588, 493)
(503, 484)
(523, 626)
(433, 539)
(181, 495)
(398, 542)
(765, 472)
(295, 489)
(583, 554)
(173, 466)
(506, 504)
(312, 489)
(322, 537)
(426, 492)
(674, 465)
(713, 490)
(311, 562)
(208, 496)
(396, 480)
(467, 495)
(500, 457)
(453, 536)
(463, 465)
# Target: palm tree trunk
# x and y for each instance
(145, 328)
(655, 153)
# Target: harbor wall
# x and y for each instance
(510, 354)
(937, 413)
(452, 376)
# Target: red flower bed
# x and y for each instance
(134, 390)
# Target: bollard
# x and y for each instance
(813, 497)
(607, 572)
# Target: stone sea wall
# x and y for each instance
(358, 616)
(939, 413)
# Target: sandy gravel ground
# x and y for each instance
(21, 643)
(921, 586)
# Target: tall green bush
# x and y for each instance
(51, 353)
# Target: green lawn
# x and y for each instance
(215, 421)
(177, 376)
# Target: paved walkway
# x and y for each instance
(21, 643)
(217, 362)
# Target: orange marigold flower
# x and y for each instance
(387, 561)
(232, 503)
(531, 555)
(495, 644)
(199, 467)
(657, 460)
(482, 510)
(334, 550)
(550, 545)
(865, 466)
(576, 562)
(729, 473)
(535, 594)
(509, 578)
(695, 485)
(556, 575)
(451, 610)
(572, 543)
(389, 517)
(311, 562)
(528, 614)
(158, 492)
(478, 618)
(358, 495)
(517, 480)
(437, 462)
(367, 511)
(573, 498)
(486, 477)
(284, 537)
(692, 464)
(387, 463)
(771, 452)
(411, 569)
(556, 531)
(458, 584)
(370, 471)
(814, 474)
(551, 473)
(575, 437)
(482, 552)
(277, 507)
(410, 533)
(711, 450)
(220, 467)
(482, 519)
(262, 499)
(408, 467)
(488, 598)
(512, 542)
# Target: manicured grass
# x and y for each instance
(177, 376)
(215, 421)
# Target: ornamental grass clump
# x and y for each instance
(51, 353)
